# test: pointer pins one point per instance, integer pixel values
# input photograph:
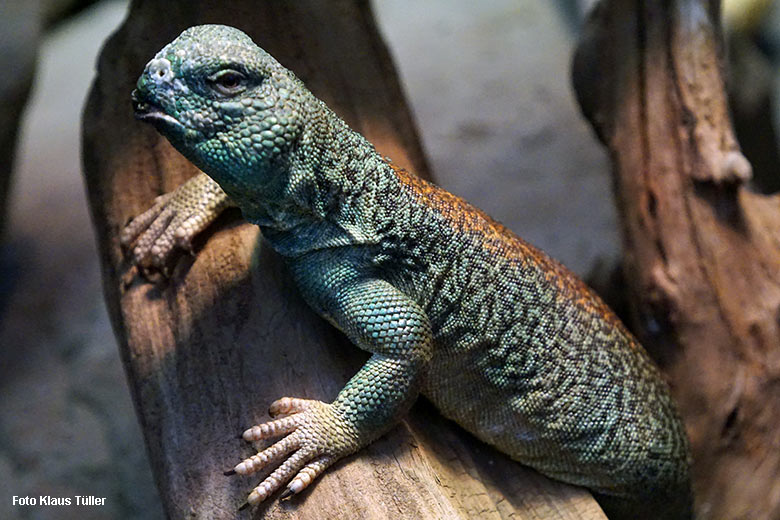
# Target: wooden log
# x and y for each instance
(208, 350)
(702, 251)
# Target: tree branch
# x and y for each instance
(702, 252)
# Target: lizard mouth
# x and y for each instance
(149, 112)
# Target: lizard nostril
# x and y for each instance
(159, 69)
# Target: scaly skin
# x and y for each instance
(503, 339)
(173, 221)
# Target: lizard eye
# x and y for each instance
(227, 82)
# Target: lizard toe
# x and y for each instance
(317, 436)
(280, 476)
(137, 225)
(144, 251)
(270, 429)
(290, 405)
(271, 454)
(307, 475)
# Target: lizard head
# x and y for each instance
(221, 100)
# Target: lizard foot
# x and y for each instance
(316, 437)
(173, 221)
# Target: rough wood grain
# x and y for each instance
(702, 251)
(206, 352)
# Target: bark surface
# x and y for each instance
(702, 250)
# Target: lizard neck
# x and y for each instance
(322, 195)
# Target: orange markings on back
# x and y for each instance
(497, 239)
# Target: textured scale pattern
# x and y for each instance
(173, 221)
(503, 339)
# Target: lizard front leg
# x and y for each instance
(380, 319)
(173, 221)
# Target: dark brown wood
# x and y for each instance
(207, 351)
(702, 252)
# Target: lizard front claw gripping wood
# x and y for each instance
(500, 337)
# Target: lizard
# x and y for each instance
(451, 304)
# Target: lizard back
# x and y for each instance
(527, 357)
